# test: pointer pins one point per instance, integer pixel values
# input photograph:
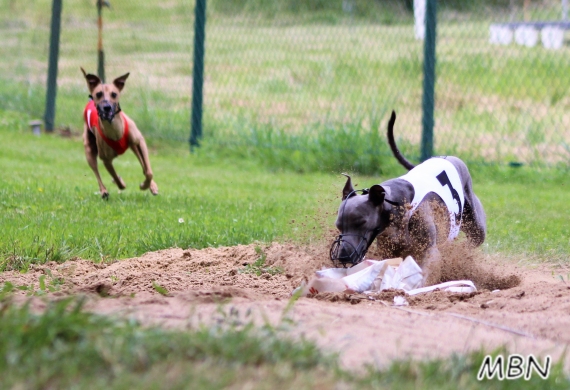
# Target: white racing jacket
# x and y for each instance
(439, 176)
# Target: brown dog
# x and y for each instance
(108, 132)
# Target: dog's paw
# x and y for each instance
(120, 184)
(153, 188)
(149, 186)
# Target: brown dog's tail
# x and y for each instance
(401, 159)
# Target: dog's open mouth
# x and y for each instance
(107, 116)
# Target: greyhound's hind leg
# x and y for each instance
(474, 223)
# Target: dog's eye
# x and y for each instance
(113, 95)
(99, 95)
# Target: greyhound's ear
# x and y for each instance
(348, 188)
(377, 194)
(119, 82)
(92, 80)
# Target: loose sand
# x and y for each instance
(522, 306)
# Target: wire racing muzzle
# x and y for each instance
(344, 254)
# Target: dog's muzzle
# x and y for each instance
(107, 110)
(344, 254)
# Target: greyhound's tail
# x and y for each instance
(401, 159)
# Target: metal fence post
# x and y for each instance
(100, 52)
(49, 115)
(198, 73)
(428, 101)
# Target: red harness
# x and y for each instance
(91, 118)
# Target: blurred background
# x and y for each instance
(308, 84)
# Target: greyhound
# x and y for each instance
(108, 133)
(411, 214)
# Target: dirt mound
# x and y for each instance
(260, 270)
(462, 262)
(526, 308)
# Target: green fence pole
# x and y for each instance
(198, 73)
(428, 101)
(49, 115)
(100, 52)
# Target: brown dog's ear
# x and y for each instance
(119, 82)
(348, 189)
(377, 194)
(92, 80)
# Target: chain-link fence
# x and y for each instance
(307, 66)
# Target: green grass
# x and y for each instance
(526, 217)
(328, 147)
(66, 347)
(303, 68)
(292, 98)
(50, 208)
(259, 267)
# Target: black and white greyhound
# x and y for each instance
(410, 215)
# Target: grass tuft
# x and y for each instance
(258, 267)
(358, 145)
(64, 346)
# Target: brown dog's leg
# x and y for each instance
(90, 146)
(111, 169)
(141, 151)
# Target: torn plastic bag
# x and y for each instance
(371, 276)
(407, 276)
(344, 279)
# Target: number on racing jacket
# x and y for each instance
(444, 180)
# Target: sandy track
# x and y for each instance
(532, 316)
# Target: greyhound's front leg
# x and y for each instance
(141, 151)
(90, 146)
(424, 232)
(431, 266)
